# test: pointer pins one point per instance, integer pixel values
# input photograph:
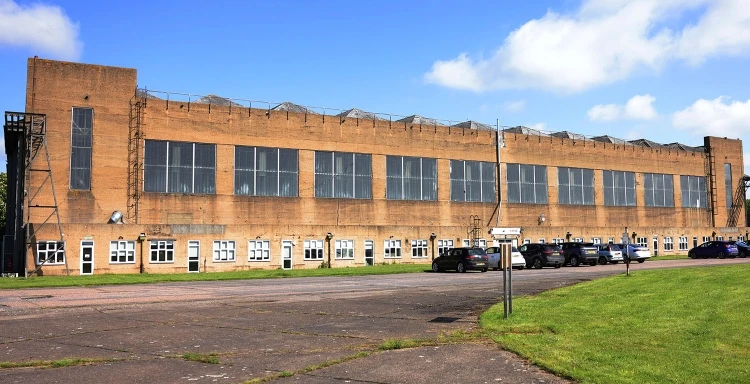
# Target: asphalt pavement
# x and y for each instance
(302, 330)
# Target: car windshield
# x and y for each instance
(554, 247)
(614, 247)
(588, 244)
(514, 249)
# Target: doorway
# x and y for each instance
(87, 258)
(286, 254)
(194, 256)
(369, 253)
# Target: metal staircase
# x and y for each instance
(709, 166)
(738, 201)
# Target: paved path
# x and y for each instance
(264, 329)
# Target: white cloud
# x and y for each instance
(717, 117)
(515, 106)
(40, 27)
(605, 112)
(603, 42)
(639, 107)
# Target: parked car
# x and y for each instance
(743, 249)
(516, 258)
(542, 255)
(609, 253)
(634, 252)
(577, 253)
(715, 248)
(462, 260)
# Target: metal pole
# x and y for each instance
(498, 174)
(510, 283)
(505, 285)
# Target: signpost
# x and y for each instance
(506, 264)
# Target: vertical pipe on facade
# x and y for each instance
(499, 197)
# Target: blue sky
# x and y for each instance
(665, 70)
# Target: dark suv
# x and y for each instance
(542, 255)
(462, 259)
(577, 253)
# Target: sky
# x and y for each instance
(665, 70)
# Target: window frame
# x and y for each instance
(226, 247)
(167, 249)
(419, 248)
(682, 243)
(327, 174)
(392, 249)
(59, 252)
(81, 169)
(690, 188)
(285, 178)
(116, 252)
(458, 181)
(515, 194)
(313, 249)
(153, 167)
(658, 197)
(392, 180)
(566, 185)
(344, 249)
(668, 244)
(258, 250)
(611, 196)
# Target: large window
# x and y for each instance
(176, 167)
(224, 250)
(411, 178)
(619, 188)
(121, 252)
(343, 175)
(527, 183)
(258, 250)
(50, 252)
(80, 148)
(472, 181)
(575, 186)
(262, 171)
(659, 190)
(728, 183)
(693, 189)
(162, 251)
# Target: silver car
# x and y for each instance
(635, 252)
(609, 253)
(516, 258)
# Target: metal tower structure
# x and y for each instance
(30, 184)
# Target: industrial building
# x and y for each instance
(107, 177)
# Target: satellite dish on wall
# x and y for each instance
(116, 218)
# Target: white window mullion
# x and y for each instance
(166, 184)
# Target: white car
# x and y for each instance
(516, 258)
(634, 252)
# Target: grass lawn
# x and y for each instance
(662, 326)
(73, 281)
(668, 257)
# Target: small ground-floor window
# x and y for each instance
(668, 244)
(258, 250)
(683, 245)
(50, 252)
(224, 250)
(392, 249)
(444, 245)
(419, 248)
(121, 252)
(313, 249)
(344, 249)
(162, 251)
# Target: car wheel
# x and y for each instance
(537, 263)
(520, 268)
(484, 270)
(435, 267)
(574, 262)
(593, 264)
(705, 256)
(460, 267)
(742, 254)
(691, 255)
(602, 260)
(721, 255)
(641, 260)
(558, 266)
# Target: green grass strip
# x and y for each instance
(109, 279)
(54, 363)
(687, 325)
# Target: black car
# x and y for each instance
(743, 249)
(577, 253)
(462, 260)
(542, 255)
(716, 248)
